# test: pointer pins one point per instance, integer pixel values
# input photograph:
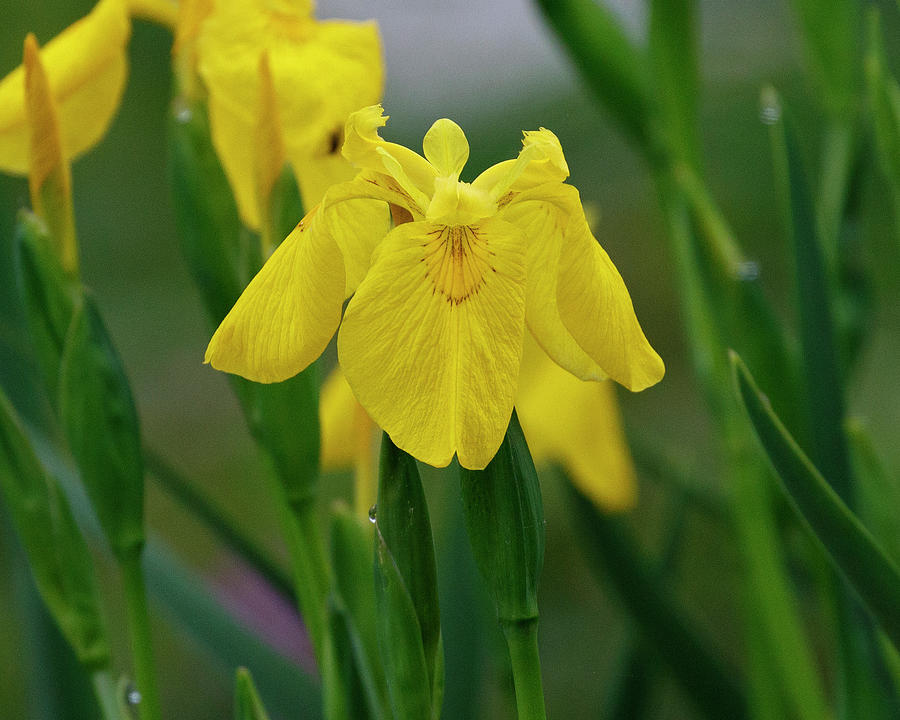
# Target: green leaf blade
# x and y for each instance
(57, 552)
(247, 705)
(851, 547)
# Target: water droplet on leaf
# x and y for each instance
(372, 511)
(748, 271)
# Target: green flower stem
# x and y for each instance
(522, 641)
(226, 529)
(306, 548)
(105, 691)
(141, 640)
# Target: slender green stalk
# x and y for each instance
(522, 641)
(105, 691)
(301, 528)
(141, 639)
(228, 531)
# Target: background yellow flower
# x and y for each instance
(321, 71)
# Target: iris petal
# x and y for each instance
(289, 311)
(446, 148)
(579, 425)
(543, 214)
(321, 72)
(596, 308)
(366, 150)
(86, 67)
(432, 340)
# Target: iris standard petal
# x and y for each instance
(542, 214)
(86, 66)
(579, 425)
(411, 174)
(289, 311)
(596, 308)
(446, 148)
(431, 341)
(540, 161)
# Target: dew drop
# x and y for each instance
(770, 107)
(132, 696)
(372, 511)
(748, 271)
(183, 112)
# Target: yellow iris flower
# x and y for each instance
(320, 72)
(86, 68)
(432, 338)
(565, 420)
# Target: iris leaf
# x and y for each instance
(850, 546)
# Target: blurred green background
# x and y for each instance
(496, 71)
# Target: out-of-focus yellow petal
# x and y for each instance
(579, 425)
(321, 73)
(540, 161)
(345, 425)
(86, 67)
(431, 341)
(543, 215)
(349, 439)
(191, 14)
(269, 151)
(446, 148)
(596, 308)
(408, 173)
(289, 311)
(164, 12)
(318, 172)
(49, 180)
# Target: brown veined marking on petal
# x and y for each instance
(457, 260)
(400, 214)
(388, 183)
(505, 199)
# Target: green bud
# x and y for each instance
(409, 629)
(247, 705)
(57, 553)
(47, 293)
(100, 421)
(505, 521)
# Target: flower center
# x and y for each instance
(457, 261)
(458, 203)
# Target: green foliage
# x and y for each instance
(247, 705)
(57, 553)
(407, 618)
(352, 613)
(505, 521)
(98, 414)
(48, 296)
(851, 547)
(610, 545)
